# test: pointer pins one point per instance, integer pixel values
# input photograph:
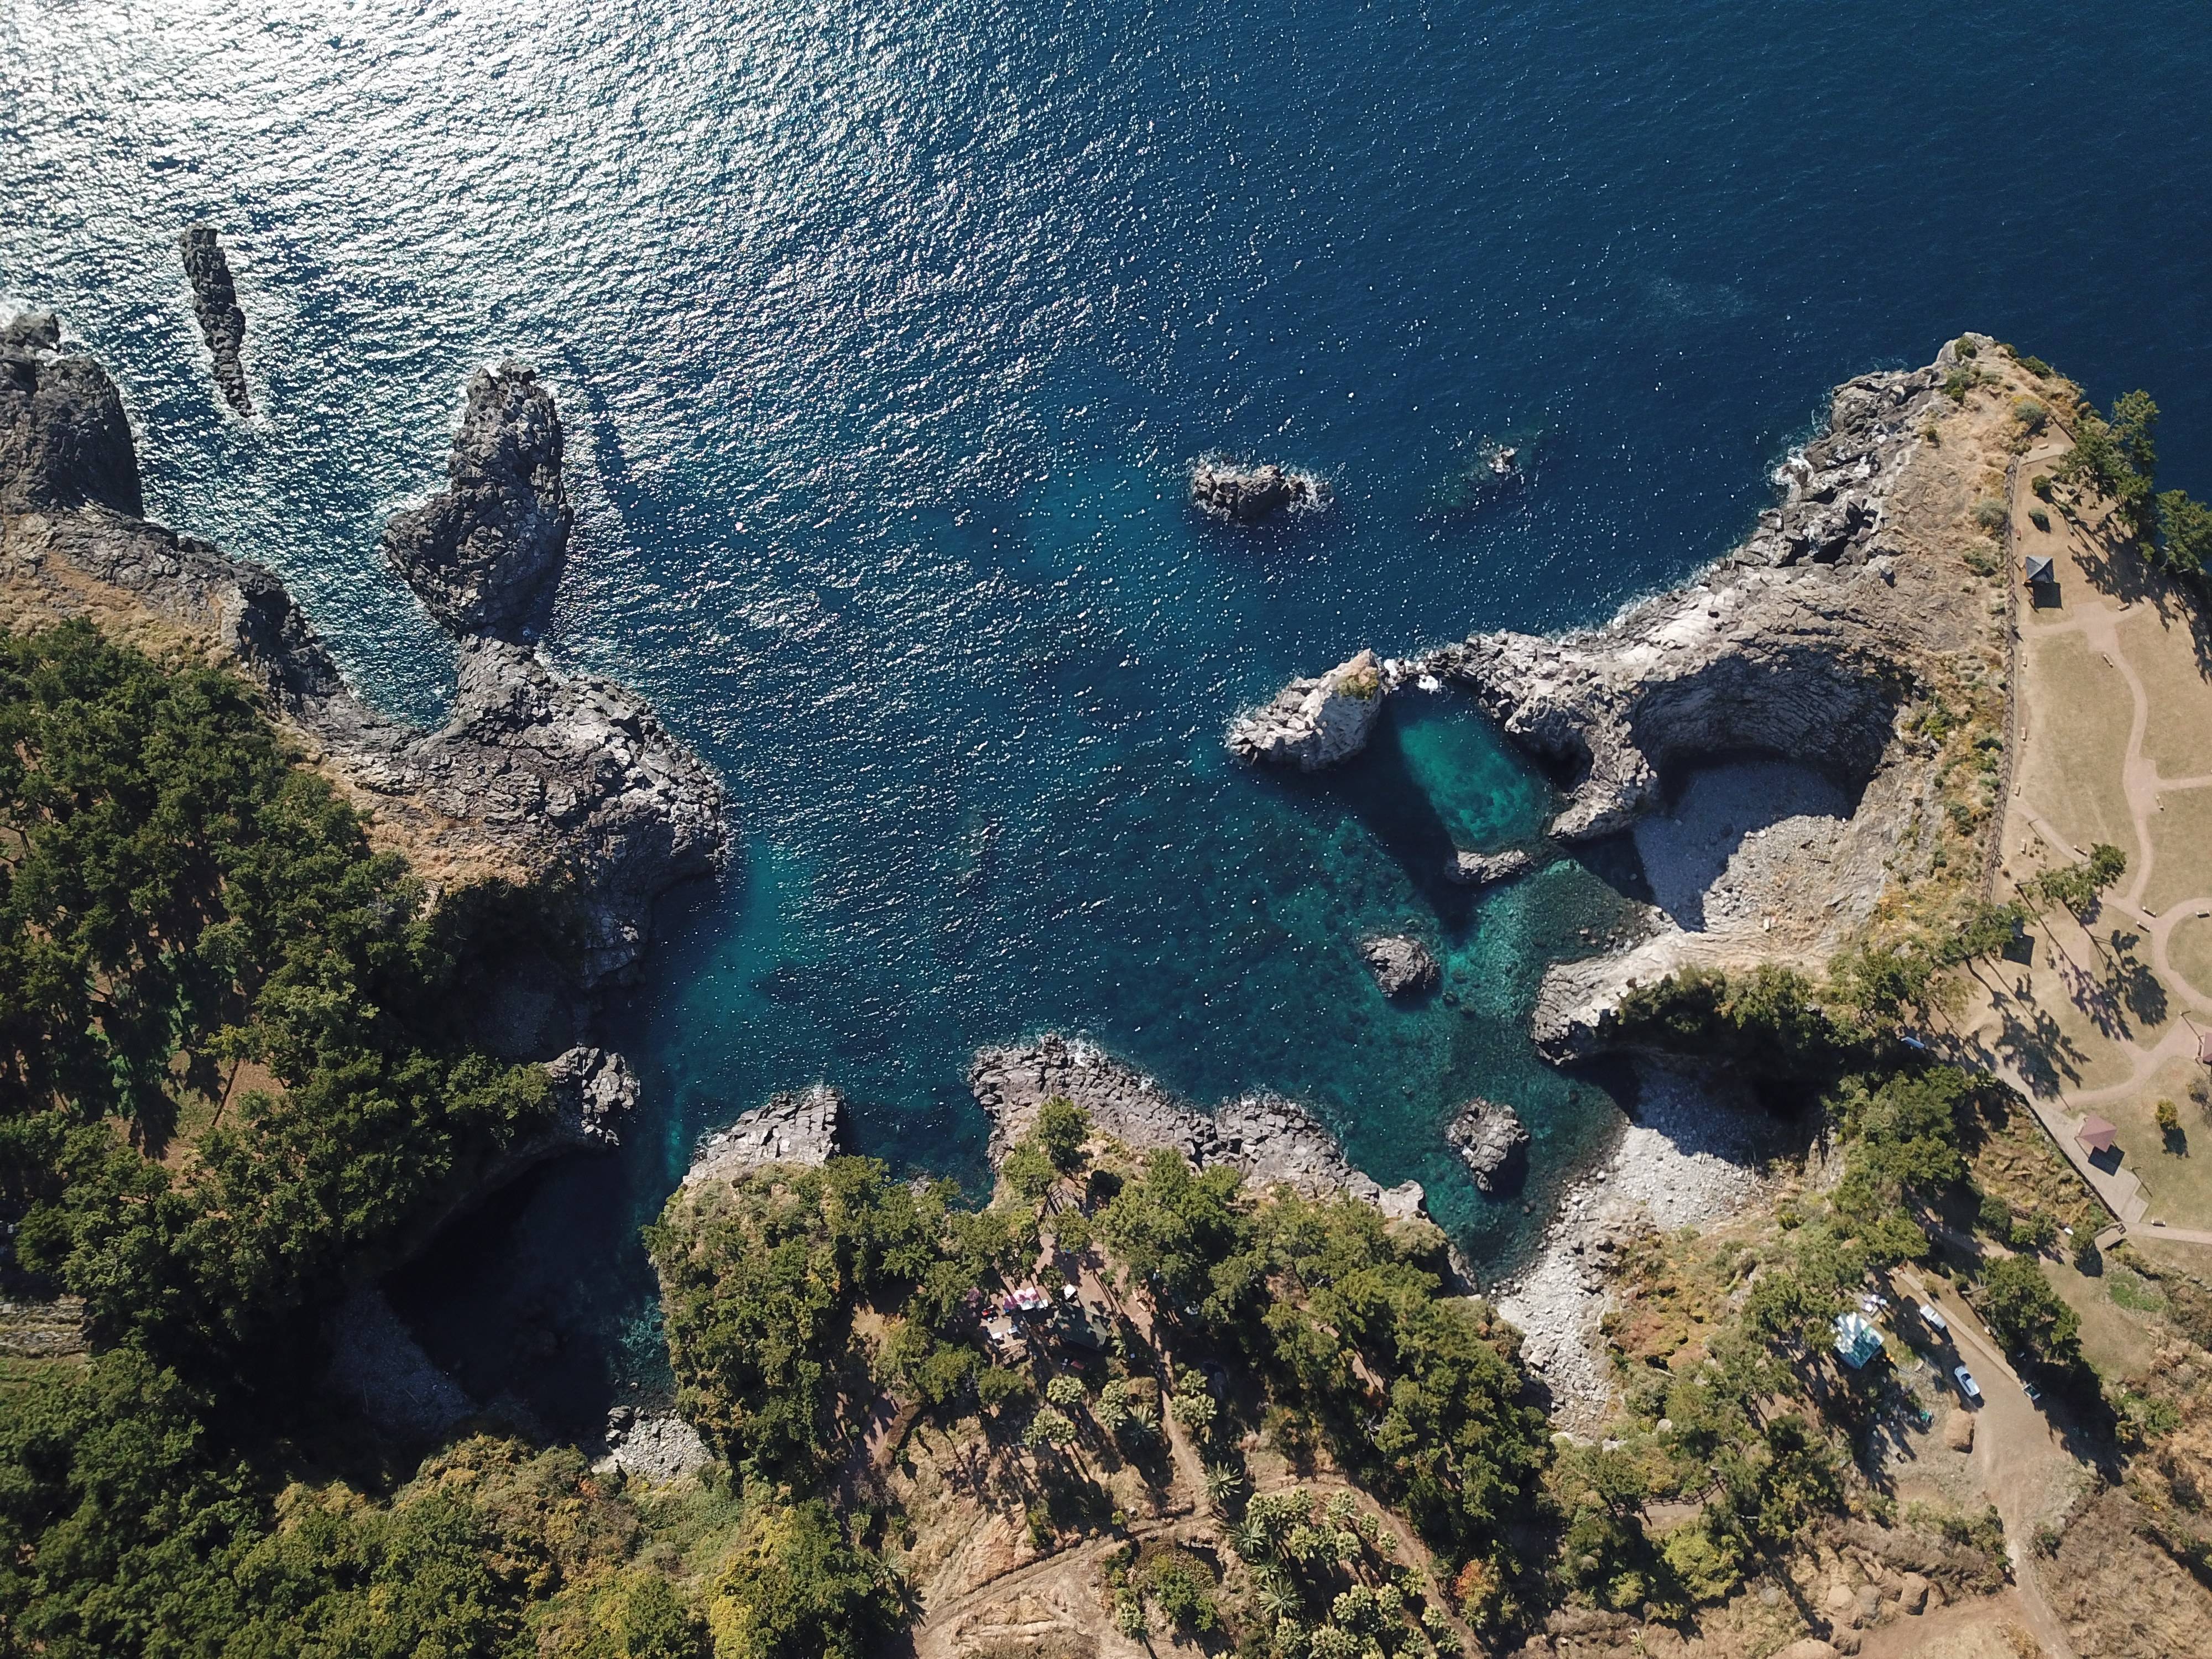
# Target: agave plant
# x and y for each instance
(1252, 1541)
(1223, 1486)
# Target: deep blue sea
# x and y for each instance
(885, 333)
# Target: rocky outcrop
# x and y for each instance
(1235, 493)
(806, 1127)
(1492, 1142)
(214, 302)
(537, 776)
(64, 441)
(486, 553)
(594, 1092)
(1485, 869)
(1313, 724)
(377, 1366)
(652, 1445)
(1266, 1139)
(1797, 645)
(1402, 964)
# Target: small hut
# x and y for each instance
(2204, 1048)
(2039, 574)
(1856, 1341)
(2097, 1134)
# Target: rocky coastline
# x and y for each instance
(214, 302)
(539, 776)
(807, 1128)
(1269, 1140)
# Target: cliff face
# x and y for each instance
(1801, 644)
(537, 777)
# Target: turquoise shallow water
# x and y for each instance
(885, 334)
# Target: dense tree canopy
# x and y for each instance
(178, 901)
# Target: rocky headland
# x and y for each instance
(214, 302)
(1268, 1139)
(1812, 646)
(1232, 493)
(1316, 723)
(539, 776)
(806, 1127)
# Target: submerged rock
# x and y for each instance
(1491, 1141)
(1402, 964)
(1313, 724)
(1235, 493)
(804, 1127)
(486, 553)
(215, 301)
(1481, 869)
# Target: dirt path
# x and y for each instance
(2021, 1459)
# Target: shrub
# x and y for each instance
(1181, 1586)
(2032, 415)
(2039, 519)
(1990, 513)
(2040, 484)
(1064, 1392)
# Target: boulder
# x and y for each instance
(1811, 1648)
(1402, 964)
(1235, 493)
(1491, 1141)
(1316, 723)
(214, 302)
(1912, 1593)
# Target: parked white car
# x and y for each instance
(1931, 1315)
(1967, 1387)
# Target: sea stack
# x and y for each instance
(1491, 1141)
(486, 553)
(1232, 493)
(1312, 724)
(215, 301)
(1481, 869)
(1402, 964)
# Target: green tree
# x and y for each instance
(2184, 533)
(2025, 1312)
(1062, 1127)
(799, 1590)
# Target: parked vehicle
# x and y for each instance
(1932, 1317)
(1968, 1389)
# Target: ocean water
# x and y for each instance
(884, 336)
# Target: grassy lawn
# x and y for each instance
(2181, 844)
(2114, 1306)
(2189, 948)
(2163, 653)
(2080, 713)
(2179, 1183)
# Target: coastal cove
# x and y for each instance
(884, 342)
